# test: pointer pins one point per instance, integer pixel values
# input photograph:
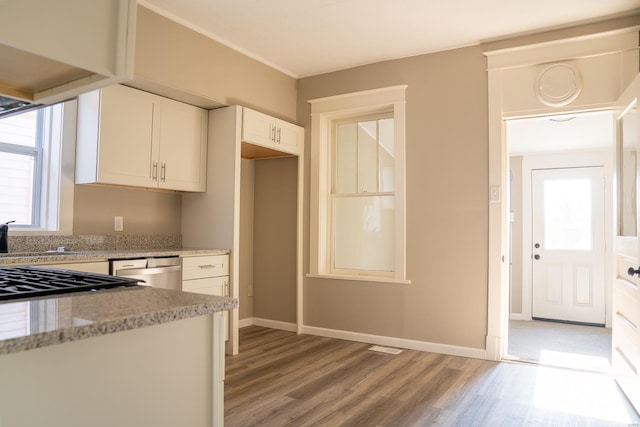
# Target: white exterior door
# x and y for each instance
(625, 335)
(568, 263)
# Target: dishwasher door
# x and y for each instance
(157, 272)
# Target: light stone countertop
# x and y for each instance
(34, 258)
(77, 316)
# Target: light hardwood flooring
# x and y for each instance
(283, 379)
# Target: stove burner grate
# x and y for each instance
(26, 282)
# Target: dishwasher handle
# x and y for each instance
(147, 271)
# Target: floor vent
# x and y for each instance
(387, 350)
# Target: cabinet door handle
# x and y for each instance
(279, 135)
(154, 175)
(163, 171)
(273, 134)
(226, 288)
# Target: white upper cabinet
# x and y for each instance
(134, 138)
(183, 146)
(262, 129)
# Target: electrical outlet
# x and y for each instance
(118, 223)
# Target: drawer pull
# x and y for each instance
(207, 266)
(627, 321)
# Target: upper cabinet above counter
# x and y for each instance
(134, 138)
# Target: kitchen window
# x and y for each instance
(36, 180)
(358, 182)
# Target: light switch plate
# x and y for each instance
(118, 223)
(494, 193)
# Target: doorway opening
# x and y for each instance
(560, 200)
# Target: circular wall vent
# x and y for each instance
(558, 85)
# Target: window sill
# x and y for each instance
(377, 279)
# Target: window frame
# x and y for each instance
(325, 112)
(56, 131)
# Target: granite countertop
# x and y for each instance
(72, 317)
(22, 258)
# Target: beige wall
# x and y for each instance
(174, 56)
(447, 208)
(515, 288)
(177, 62)
(144, 212)
(274, 239)
(247, 173)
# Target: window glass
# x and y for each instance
(17, 176)
(364, 233)
(386, 156)
(368, 157)
(20, 129)
(567, 214)
(346, 158)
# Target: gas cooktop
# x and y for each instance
(26, 282)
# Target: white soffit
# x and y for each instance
(309, 37)
(592, 131)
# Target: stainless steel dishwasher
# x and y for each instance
(159, 272)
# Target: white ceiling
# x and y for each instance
(563, 133)
(309, 37)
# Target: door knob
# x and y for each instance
(537, 245)
(536, 256)
(631, 271)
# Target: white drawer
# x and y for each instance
(210, 286)
(624, 263)
(198, 267)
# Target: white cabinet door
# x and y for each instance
(126, 137)
(625, 333)
(262, 129)
(183, 146)
(258, 128)
(209, 286)
(130, 137)
(101, 267)
(290, 137)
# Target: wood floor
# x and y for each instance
(283, 379)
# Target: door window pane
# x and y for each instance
(364, 233)
(567, 214)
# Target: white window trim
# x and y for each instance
(323, 112)
(57, 205)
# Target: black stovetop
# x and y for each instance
(26, 282)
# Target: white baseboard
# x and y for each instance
(243, 323)
(476, 353)
(517, 316)
(266, 323)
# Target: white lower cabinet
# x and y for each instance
(208, 274)
(101, 267)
